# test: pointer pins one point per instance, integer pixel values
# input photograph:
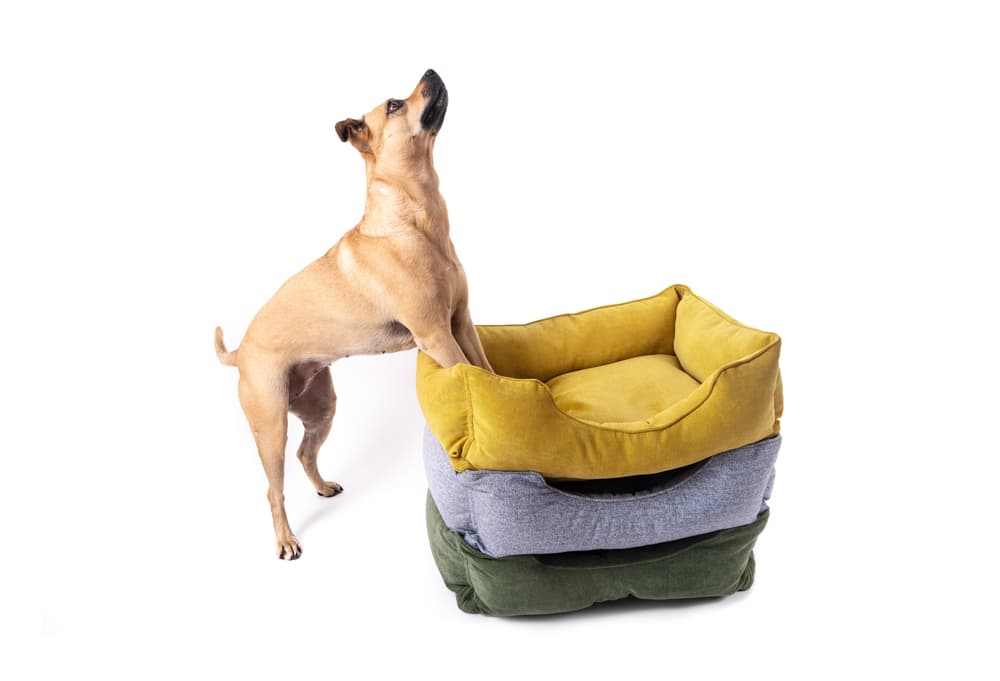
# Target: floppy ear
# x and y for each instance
(355, 131)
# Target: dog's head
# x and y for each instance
(400, 130)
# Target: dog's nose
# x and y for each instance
(431, 74)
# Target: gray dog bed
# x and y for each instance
(502, 513)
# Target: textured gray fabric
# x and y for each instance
(503, 513)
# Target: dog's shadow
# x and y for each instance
(375, 442)
(312, 517)
(366, 471)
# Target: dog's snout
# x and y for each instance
(436, 97)
(432, 83)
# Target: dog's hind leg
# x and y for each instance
(315, 403)
(264, 397)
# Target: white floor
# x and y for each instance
(827, 174)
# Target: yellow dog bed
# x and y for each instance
(621, 390)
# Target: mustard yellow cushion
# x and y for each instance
(621, 390)
(616, 394)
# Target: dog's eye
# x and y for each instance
(393, 105)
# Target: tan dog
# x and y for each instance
(391, 282)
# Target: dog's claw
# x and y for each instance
(290, 554)
(290, 549)
(329, 489)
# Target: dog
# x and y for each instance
(391, 283)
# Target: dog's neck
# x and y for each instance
(394, 205)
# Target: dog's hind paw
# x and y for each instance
(289, 549)
(329, 489)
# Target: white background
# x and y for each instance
(829, 172)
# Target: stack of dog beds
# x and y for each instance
(623, 451)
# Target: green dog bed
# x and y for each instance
(715, 564)
(622, 390)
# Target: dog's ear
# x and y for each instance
(355, 131)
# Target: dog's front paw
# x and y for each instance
(329, 489)
(289, 548)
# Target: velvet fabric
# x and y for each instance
(621, 390)
(715, 564)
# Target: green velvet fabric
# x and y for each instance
(715, 564)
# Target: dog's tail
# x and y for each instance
(226, 357)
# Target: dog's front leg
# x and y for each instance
(440, 344)
(468, 339)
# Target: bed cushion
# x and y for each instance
(633, 389)
(715, 564)
(502, 513)
(621, 390)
